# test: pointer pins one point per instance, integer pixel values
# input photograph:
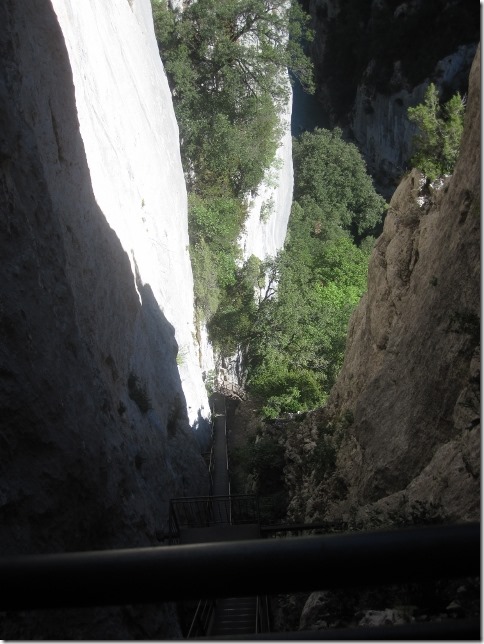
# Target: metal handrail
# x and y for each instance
(174, 528)
(227, 456)
(239, 568)
(210, 469)
(201, 618)
(263, 620)
(257, 616)
(200, 511)
(211, 460)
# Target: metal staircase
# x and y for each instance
(220, 517)
(234, 616)
(230, 617)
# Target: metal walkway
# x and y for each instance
(220, 518)
(220, 475)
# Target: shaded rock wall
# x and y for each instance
(95, 293)
(373, 60)
(379, 124)
(404, 411)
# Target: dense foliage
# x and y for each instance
(332, 184)
(293, 334)
(440, 129)
(226, 62)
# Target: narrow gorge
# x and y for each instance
(108, 357)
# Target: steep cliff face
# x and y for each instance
(403, 419)
(379, 124)
(268, 215)
(96, 298)
(130, 137)
(374, 60)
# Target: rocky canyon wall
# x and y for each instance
(399, 441)
(99, 416)
(374, 60)
(379, 124)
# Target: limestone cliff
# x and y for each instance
(399, 440)
(96, 299)
(268, 212)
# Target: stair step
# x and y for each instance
(235, 616)
(220, 630)
(245, 605)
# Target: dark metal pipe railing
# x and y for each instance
(211, 461)
(239, 568)
(262, 622)
(447, 630)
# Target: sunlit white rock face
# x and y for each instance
(266, 225)
(95, 300)
(130, 135)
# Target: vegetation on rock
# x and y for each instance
(226, 64)
(440, 129)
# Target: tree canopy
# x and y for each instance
(293, 334)
(227, 64)
(226, 61)
(332, 184)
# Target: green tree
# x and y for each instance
(296, 343)
(226, 61)
(231, 325)
(439, 134)
(332, 184)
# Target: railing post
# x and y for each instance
(257, 616)
(174, 526)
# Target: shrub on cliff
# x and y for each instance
(439, 134)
